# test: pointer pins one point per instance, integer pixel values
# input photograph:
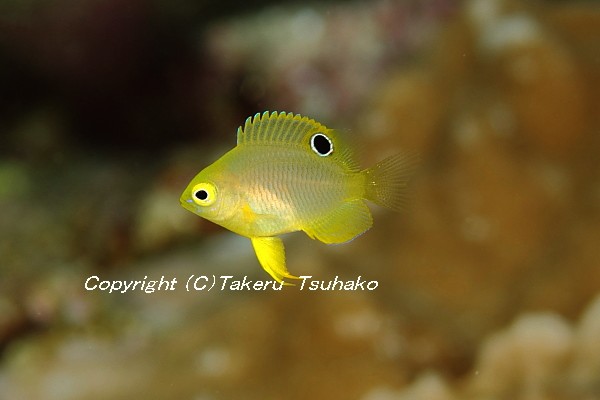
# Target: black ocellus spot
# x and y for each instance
(321, 144)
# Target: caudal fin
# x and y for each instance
(386, 182)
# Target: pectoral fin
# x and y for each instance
(271, 256)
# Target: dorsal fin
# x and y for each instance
(294, 130)
(277, 127)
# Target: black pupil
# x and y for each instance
(201, 194)
(321, 144)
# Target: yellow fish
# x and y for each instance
(290, 173)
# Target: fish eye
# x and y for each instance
(321, 144)
(204, 194)
(201, 195)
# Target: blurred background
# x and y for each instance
(489, 283)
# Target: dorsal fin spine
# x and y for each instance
(274, 128)
(267, 126)
(297, 118)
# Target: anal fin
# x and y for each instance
(271, 256)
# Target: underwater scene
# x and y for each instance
(370, 200)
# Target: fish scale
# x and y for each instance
(307, 194)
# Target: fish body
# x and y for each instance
(290, 173)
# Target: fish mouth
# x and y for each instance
(186, 202)
(190, 205)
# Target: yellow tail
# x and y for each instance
(387, 181)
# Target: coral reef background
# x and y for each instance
(489, 283)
